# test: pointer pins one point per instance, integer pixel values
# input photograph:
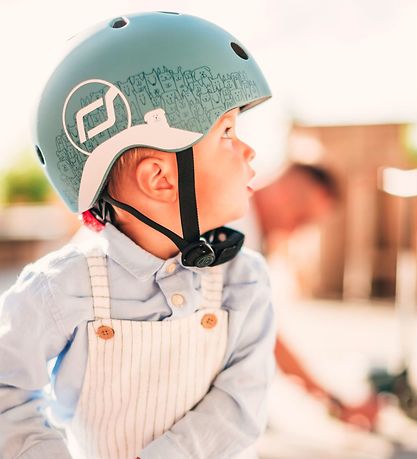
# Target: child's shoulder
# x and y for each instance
(65, 262)
(248, 266)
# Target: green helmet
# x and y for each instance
(158, 80)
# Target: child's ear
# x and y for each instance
(157, 177)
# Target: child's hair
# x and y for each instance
(101, 212)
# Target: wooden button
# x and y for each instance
(105, 332)
(209, 320)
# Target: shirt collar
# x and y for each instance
(140, 263)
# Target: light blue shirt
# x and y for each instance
(44, 316)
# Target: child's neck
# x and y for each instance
(149, 239)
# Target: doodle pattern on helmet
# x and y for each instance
(192, 100)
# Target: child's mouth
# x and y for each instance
(249, 185)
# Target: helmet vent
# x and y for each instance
(168, 12)
(239, 51)
(119, 23)
(40, 155)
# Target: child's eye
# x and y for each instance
(227, 134)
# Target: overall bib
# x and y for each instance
(142, 377)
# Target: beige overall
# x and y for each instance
(142, 377)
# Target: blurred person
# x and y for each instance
(301, 195)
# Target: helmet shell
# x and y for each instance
(158, 80)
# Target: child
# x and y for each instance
(163, 342)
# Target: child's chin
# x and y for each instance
(235, 214)
(241, 212)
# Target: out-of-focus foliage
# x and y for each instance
(24, 181)
(408, 138)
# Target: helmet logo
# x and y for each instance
(111, 116)
(86, 126)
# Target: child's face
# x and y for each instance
(222, 173)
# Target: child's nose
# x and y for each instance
(249, 152)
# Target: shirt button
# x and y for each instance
(105, 332)
(177, 299)
(209, 320)
(171, 268)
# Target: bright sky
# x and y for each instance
(327, 61)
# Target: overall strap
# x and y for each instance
(212, 287)
(97, 267)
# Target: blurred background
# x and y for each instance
(343, 74)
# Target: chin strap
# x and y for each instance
(187, 197)
(210, 249)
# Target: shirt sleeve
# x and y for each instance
(233, 413)
(29, 338)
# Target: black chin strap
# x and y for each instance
(210, 249)
(177, 240)
(186, 188)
